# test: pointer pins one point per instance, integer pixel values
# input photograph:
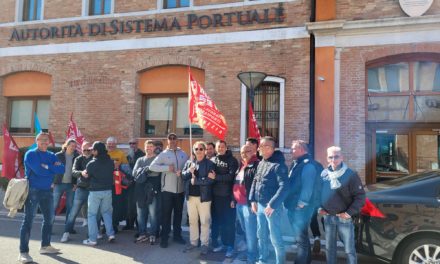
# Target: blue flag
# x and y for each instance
(37, 130)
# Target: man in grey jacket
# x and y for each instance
(170, 162)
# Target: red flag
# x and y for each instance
(74, 133)
(12, 166)
(203, 111)
(253, 130)
(51, 140)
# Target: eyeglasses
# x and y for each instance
(86, 150)
(333, 157)
(132, 143)
(199, 149)
(244, 152)
(172, 138)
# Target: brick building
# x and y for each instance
(120, 67)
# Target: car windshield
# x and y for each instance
(412, 178)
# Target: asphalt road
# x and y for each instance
(121, 252)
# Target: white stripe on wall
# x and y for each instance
(160, 42)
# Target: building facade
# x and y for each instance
(121, 68)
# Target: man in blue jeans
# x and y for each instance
(41, 166)
(304, 193)
(268, 191)
(342, 196)
(82, 188)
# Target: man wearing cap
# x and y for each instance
(170, 162)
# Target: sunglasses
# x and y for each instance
(132, 143)
(333, 157)
(86, 150)
(199, 149)
(172, 138)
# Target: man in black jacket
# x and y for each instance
(82, 188)
(342, 196)
(223, 207)
(268, 192)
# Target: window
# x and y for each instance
(175, 3)
(404, 90)
(31, 10)
(166, 114)
(268, 109)
(21, 118)
(100, 7)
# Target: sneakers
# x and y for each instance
(49, 250)
(204, 250)
(316, 246)
(152, 240)
(189, 247)
(84, 224)
(25, 258)
(111, 239)
(99, 236)
(229, 252)
(217, 249)
(65, 237)
(179, 240)
(141, 239)
(89, 242)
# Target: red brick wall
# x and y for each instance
(352, 95)
(60, 9)
(134, 5)
(374, 9)
(101, 87)
(7, 13)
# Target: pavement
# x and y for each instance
(123, 251)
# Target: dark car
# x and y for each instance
(400, 221)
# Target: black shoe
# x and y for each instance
(179, 240)
(72, 231)
(163, 243)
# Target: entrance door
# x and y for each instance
(401, 149)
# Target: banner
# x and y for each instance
(202, 110)
(74, 133)
(253, 130)
(12, 166)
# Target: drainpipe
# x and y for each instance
(312, 85)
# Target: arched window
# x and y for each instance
(404, 88)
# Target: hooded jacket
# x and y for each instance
(225, 167)
(249, 174)
(270, 185)
(170, 181)
(79, 165)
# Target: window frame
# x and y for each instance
(173, 128)
(162, 5)
(34, 110)
(412, 93)
(243, 114)
(19, 14)
(86, 8)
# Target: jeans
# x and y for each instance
(100, 202)
(344, 229)
(248, 222)
(300, 219)
(58, 190)
(152, 211)
(270, 227)
(37, 198)
(81, 195)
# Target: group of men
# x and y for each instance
(218, 189)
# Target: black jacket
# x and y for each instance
(270, 184)
(202, 180)
(79, 165)
(62, 158)
(225, 168)
(349, 197)
(249, 175)
(137, 154)
(100, 170)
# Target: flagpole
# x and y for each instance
(189, 121)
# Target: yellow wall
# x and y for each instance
(27, 84)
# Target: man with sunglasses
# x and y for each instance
(342, 196)
(82, 190)
(170, 162)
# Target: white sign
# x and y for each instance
(415, 7)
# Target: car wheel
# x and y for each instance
(421, 250)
